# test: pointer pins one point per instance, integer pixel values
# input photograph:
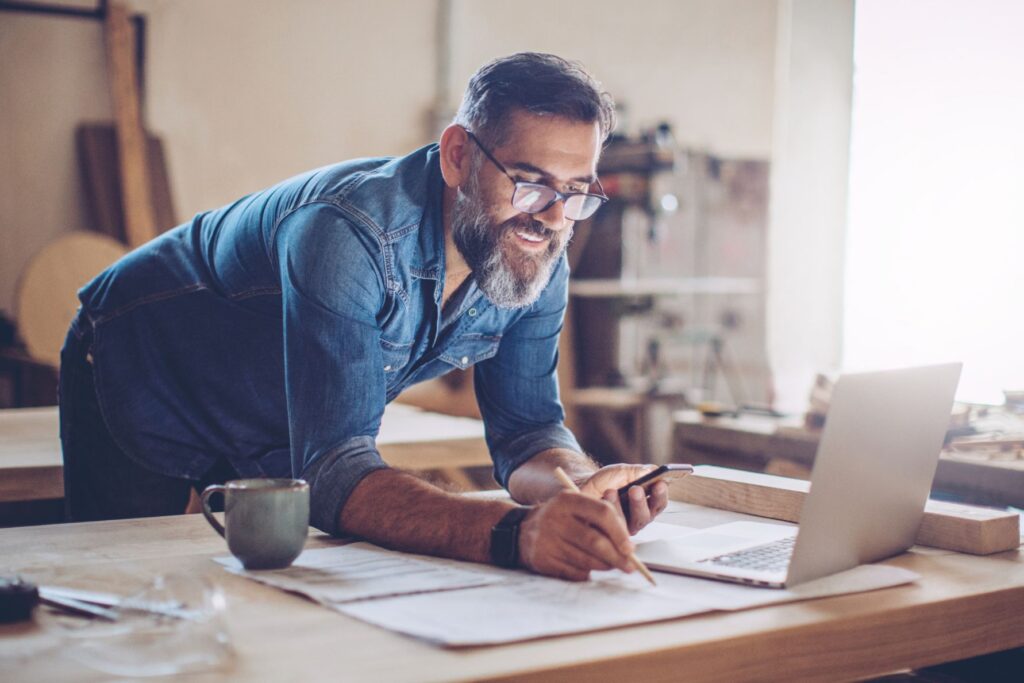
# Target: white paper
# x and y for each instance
(536, 607)
(722, 595)
(360, 571)
(524, 608)
(460, 604)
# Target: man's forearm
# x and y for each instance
(534, 481)
(396, 510)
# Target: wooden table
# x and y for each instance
(786, 447)
(31, 464)
(963, 606)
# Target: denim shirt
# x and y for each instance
(272, 332)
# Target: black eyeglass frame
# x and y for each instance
(559, 196)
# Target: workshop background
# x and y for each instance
(777, 214)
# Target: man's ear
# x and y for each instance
(454, 155)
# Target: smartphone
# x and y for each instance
(664, 473)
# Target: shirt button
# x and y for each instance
(465, 360)
(387, 368)
(472, 312)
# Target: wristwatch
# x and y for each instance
(505, 537)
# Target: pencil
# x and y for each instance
(570, 485)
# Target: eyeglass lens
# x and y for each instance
(531, 198)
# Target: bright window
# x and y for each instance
(935, 246)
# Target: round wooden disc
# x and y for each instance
(47, 296)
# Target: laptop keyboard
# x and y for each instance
(772, 556)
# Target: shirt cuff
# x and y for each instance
(333, 476)
(517, 450)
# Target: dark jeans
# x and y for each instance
(100, 480)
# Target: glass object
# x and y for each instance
(174, 626)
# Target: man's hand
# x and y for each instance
(572, 534)
(606, 482)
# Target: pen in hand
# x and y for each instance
(570, 485)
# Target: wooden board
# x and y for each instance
(964, 528)
(96, 145)
(122, 63)
(46, 298)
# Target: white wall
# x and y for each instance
(248, 92)
(52, 77)
(704, 65)
(810, 169)
(245, 103)
(936, 221)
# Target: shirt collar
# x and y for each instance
(428, 261)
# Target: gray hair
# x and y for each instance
(537, 83)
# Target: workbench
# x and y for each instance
(962, 606)
(31, 466)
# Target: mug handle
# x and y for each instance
(207, 512)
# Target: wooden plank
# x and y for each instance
(752, 493)
(140, 222)
(97, 150)
(968, 529)
(159, 184)
(21, 484)
(964, 528)
(96, 146)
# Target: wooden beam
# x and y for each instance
(964, 528)
(140, 222)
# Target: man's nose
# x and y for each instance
(553, 217)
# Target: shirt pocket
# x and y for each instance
(470, 349)
(395, 356)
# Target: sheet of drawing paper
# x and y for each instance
(360, 571)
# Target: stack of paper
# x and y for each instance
(440, 600)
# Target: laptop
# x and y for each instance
(872, 475)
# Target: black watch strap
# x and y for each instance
(505, 538)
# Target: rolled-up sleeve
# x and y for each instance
(331, 288)
(517, 389)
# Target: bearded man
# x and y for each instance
(264, 338)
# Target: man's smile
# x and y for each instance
(531, 240)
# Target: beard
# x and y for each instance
(508, 276)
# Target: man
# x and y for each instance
(265, 338)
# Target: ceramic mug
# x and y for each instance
(265, 520)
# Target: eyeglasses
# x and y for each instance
(535, 198)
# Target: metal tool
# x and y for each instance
(98, 601)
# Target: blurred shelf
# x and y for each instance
(759, 443)
(614, 287)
